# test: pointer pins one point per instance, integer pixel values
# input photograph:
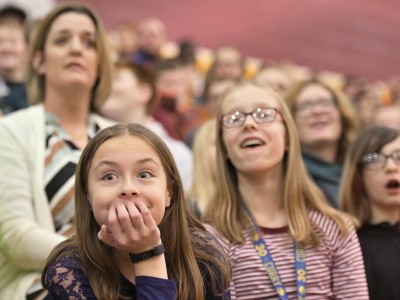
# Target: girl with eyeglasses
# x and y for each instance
(326, 123)
(282, 238)
(370, 190)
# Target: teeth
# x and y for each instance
(251, 143)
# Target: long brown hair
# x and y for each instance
(353, 196)
(36, 83)
(186, 241)
(225, 212)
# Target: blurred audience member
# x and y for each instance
(132, 100)
(274, 77)
(366, 102)
(228, 62)
(214, 90)
(387, 116)
(213, 93)
(326, 123)
(152, 35)
(194, 80)
(175, 99)
(128, 39)
(13, 59)
(353, 85)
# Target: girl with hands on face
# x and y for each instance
(131, 227)
(134, 235)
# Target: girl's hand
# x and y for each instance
(131, 227)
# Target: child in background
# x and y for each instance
(132, 100)
(370, 190)
(132, 228)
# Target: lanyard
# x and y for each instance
(300, 263)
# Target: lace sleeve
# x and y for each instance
(66, 280)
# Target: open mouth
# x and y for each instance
(393, 184)
(251, 143)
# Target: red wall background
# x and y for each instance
(357, 37)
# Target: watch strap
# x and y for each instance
(135, 258)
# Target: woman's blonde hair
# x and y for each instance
(348, 116)
(187, 243)
(299, 193)
(353, 195)
(36, 83)
(203, 186)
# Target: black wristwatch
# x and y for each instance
(135, 258)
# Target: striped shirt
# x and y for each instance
(61, 159)
(335, 270)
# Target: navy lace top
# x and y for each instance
(66, 280)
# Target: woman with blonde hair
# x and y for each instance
(204, 157)
(327, 124)
(282, 237)
(68, 80)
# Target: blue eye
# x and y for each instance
(145, 174)
(109, 177)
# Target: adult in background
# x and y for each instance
(327, 124)
(151, 37)
(68, 80)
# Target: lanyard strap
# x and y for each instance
(300, 263)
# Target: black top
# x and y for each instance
(380, 245)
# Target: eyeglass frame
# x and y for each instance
(366, 160)
(326, 104)
(245, 114)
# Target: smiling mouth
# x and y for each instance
(251, 143)
(74, 66)
(319, 124)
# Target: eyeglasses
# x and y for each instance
(307, 107)
(377, 161)
(260, 116)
